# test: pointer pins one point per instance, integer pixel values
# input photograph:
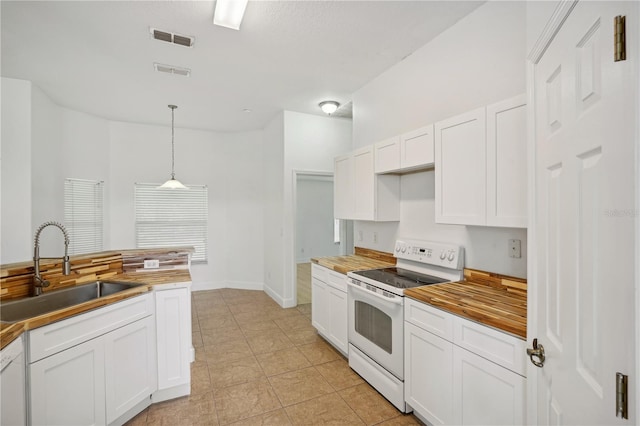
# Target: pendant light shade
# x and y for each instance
(172, 183)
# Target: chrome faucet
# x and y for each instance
(38, 281)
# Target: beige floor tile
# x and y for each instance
(215, 336)
(196, 339)
(252, 328)
(250, 317)
(282, 361)
(304, 309)
(368, 404)
(325, 410)
(304, 337)
(402, 420)
(209, 309)
(200, 378)
(234, 372)
(269, 342)
(293, 322)
(319, 352)
(283, 313)
(246, 400)
(272, 418)
(191, 409)
(227, 351)
(216, 321)
(300, 385)
(339, 374)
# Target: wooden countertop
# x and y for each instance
(490, 299)
(362, 259)
(11, 331)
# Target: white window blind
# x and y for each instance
(172, 217)
(83, 207)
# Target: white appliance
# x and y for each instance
(13, 410)
(376, 310)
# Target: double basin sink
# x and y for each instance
(17, 310)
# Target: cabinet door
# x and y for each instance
(68, 388)
(364, 189)
(343, 187)
(507, 163)
(460, 169)
(416, 148)
(337, 304)
(130, 366)
(486, 393)
(319, 306)
(173, 323)
(429, 375)
(387, 155)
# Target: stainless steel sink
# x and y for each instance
(16, 310)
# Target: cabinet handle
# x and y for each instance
(537, 352)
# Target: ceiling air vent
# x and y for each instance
(171, 69)
(169, 37)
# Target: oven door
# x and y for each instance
(376, 327)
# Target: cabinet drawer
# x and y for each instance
(429, 318)
(319, 272)
(337, 281)
(56, 337)
(501, 348)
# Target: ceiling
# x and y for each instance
(98, 56)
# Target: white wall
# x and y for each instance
(478, 61)
(15, 168)
(230, 166)
(314, 218)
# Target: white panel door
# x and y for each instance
(584, 218)
(130, 366)
(68, 388)
(337, 307)
(387, 155)
(416, 148)
(507, 163)
(319, 306)
(173, 322)
(460, 170)
(364, 188)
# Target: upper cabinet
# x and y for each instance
(480, 171)
(359, 193)
(405, 153)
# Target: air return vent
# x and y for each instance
(171, 69)
(169, 37)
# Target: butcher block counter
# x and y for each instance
(361, 260)
(491, 299)
(106, 266)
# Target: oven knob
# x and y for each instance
(404, 249)
(397, 248)
(443, 255)
(451, 256)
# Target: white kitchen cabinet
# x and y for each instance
(486, 393)
(507, 163)
(343, 187)
(13, 403)
(68, 388)
(329, 306)
(408, 152)
(428, 385)
(460, 171)
(360, 194)
(130, 366)
(173, 322)
(461, 372)
(480, 171)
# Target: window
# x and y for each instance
(83, 206)
(172, 217)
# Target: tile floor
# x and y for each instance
(259, 364)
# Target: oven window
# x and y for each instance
(373, 324)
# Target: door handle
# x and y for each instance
(536, 352)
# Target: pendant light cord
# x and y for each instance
(173, 161)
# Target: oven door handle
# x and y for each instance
(396, 300)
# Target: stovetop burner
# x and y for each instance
(400, 278)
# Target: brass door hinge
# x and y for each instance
(622, 396)
(619, 42)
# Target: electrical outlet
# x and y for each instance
(515, 249)
(375, 237)
(151, 264)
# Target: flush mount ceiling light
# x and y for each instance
(329, 107)
(229, 13)
(172, 183)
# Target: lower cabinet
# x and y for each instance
(95, 382)
(329, 306)
(447, 383)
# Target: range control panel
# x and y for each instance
(432, 253)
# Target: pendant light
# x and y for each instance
(172, 183)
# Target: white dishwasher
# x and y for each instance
(13, 410)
